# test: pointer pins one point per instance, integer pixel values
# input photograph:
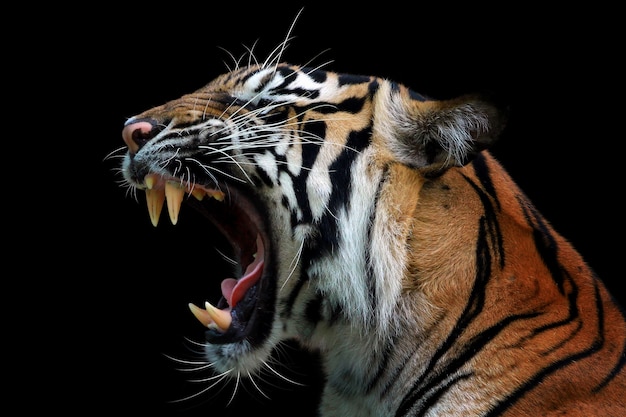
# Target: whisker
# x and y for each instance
(274, 56)
(112, 153)
(287, 37)
(226, 257)
(237, 382)
(208, 168)
(281, 376)
(293, 264)
(251, 56)
(231, 56)
(251, 379)
(220, 377)
(205, 168)
(206, 108)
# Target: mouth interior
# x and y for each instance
(237, 313)
(237, 219)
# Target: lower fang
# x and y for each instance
(212, 317)
(202, 315)
(221, 317)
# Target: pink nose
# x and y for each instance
(137, 134)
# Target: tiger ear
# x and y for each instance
(435, 135)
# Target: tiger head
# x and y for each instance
(312, 176)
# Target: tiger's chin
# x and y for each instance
(245, 312)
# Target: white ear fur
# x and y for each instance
(433, 135)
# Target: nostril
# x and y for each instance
(138, 132)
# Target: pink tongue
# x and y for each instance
(233, 289)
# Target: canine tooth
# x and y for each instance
(221, 317)
(155, 199)
(174, 196)
(202, 315)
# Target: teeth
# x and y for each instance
(198, 194)
(221, 317)
(155, 199)
(202, 315)
(174, 195)
(212, 317)
(218, 195)
(149, 180)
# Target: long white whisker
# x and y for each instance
(287, 37)
(220, 378)
(281, 376)
(226, 257)
(274, 56)
(167, 161)
(231, 159)
(209, 168)
(251, 378)
(293, 264)
(231, 56)
(251, 56)
(112, 153)
(320, 65)
(237, 382)
(206, 108)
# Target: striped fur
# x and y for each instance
(395, 245)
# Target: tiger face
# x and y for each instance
(371, 224)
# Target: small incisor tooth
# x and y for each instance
(218, 195)
(174, 195)
(198, 194)
(155, 199)
(150, 180)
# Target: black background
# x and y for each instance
(121, 286)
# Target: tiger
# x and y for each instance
(372, 225)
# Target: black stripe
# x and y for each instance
(484, 176)
(471, 311)
(547, 249)
(496, 238)
(303, 278)
(370, 278)
(393, 376)
(349, 79)
(508, 401)
(622, 359)
(432, 398)
(319, 76)
(310, 151)
(544, 242)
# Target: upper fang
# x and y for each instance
(174, 195)
(158, 191)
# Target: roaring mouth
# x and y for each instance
(245, 309)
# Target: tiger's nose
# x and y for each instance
(137, 133)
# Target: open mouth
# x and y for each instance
(245, 309)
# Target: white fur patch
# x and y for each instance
(267, 162)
